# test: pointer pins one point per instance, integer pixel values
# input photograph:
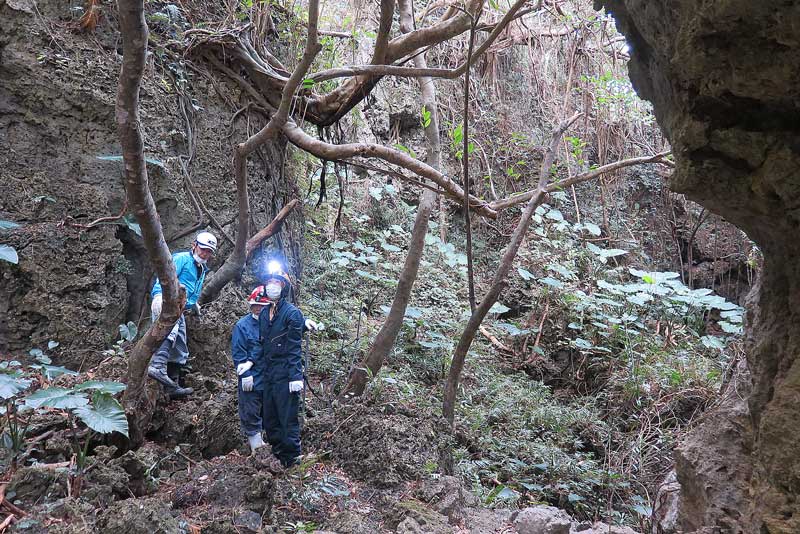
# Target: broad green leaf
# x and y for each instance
(61, 398)
(9, 254)
(712, 342)
(733, 316)
(370, 276)
(389, 247)
(7, 225)
(574, 497)
(639, 298)
(592, 228)
(457, 134)
(512, 329)
(525, 274)
(105, 415)
(643, 510)
(555, 215)
(52, 344)
(130, 221)
(119, 158)
(498, 308)
(656, 277)
(413, 313)
(54, 371)
(560, 269)
(376, 193)
(11, 385)
(405, 149)
(730, 328)
(105, 386)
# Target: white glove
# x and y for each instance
(312, 326)
(155, 307)
(295, 386)
(247, 383)
(242, 368)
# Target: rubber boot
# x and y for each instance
(158, 368)
(178, 392)
(255, 442)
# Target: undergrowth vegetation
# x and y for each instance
(587, 370)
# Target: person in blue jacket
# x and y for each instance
(246, 354)
(173, 352)
(281, 329)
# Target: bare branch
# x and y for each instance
(333, 106)
(271, 228)
(385, 338)
(382, 40)
(585, 177)
(331, 152)
(279, 118)
(412, 72)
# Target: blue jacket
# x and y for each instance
(281, 340)
(246, 346)
(186, 268)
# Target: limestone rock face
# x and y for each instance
(724, 79)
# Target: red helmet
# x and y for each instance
(258, 296)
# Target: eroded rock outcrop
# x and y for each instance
(724, 79)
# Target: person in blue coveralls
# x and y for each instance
(281, 329)
(246, 354)
(170, 358)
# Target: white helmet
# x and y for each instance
(206, 240)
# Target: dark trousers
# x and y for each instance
(250, 411)
(281, 421)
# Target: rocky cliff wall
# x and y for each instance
(724, 78)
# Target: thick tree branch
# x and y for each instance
(465, 162)
(331, 107)
(505, 203)
(384, 27)
(475, 320)
(415, 72)
(272, 228)
(330, 152)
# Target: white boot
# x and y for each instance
(255, 442)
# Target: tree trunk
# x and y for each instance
(475, 320)
(384, 340)
(138, 406)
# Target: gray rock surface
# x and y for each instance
(724, 80)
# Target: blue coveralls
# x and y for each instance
(246, 347)
(281, 340)
(174, 348)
